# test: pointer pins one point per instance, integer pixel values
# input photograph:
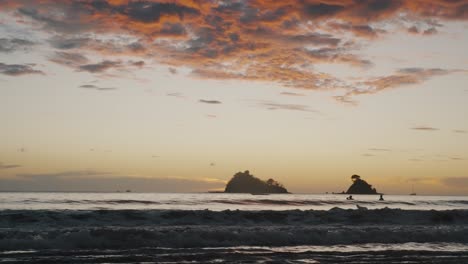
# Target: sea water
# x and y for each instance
(231, 228)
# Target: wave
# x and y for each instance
(43, 229)
(416, 253)
(87, 201)
(295, 202)
(65, 218)
(228, 201)
(222, 236)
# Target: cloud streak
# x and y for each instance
(402, 77)
(456, 182)
(209, 101)
(8, 166)
(97, 88)
(425, 128)
(380, 149)
(18, 69)
(292, 107)
(292, 94)
(69, 59)
(89, 180)
(100, 66)
(15, 44)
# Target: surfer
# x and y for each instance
(381, 197)
(349, 197)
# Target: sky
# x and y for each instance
(178, 96)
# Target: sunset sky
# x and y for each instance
(180, 95)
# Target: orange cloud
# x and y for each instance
(258, 40)
(402, 77)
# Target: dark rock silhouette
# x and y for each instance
(360, 186)
(244, 182)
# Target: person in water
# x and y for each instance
(349, 197)
(381, 197)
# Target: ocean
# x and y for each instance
(231, 228)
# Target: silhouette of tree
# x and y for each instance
(355, 177)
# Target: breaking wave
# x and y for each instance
(222, 236)
(62, 229)
(37, 218)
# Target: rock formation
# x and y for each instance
(244, 182)
(360, 186)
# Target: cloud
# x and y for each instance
(315, 10)
(8, 166)
(425, 128)
(59, 42)
(65, 21)
(138, 64)
(413, 30)
(81, 63)
(100, 44)
(172, 29)
(178, 95)
(100, 66)
(345, 99)
(88, 180)
(402, 77)
(423, 180)
(380, 149)
(280, 106)
(457, 182)
(94, 87)
(209, 101)
(69, 59)
(64, 174)
(336, 55)
(405, 76)
(362, 30)
(18, 69)
(14, 44)
(460, 131)
(147, 11)
(269, 41)
(430, 31)
(292, 94)
(172, 70)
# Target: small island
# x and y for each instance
(360, 186)
(244, 182)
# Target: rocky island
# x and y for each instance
(360, 186)
(244, 182)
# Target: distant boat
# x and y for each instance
(412, 190)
